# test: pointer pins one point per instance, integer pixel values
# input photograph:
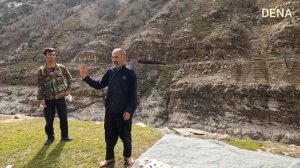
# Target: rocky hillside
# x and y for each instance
(216, 65)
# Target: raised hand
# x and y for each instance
(83, 71)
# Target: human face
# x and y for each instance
(51, 57)
(118, 59)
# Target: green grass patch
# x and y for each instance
(4, 117)
(244, 144)
(22, 144)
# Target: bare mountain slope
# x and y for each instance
(214, 65)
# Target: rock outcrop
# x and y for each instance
(213, 65)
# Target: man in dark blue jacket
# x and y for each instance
(120, 104)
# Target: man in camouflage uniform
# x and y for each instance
(54, 84)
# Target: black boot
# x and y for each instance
(66, 138)
(49, 141)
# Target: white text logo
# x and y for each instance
(274, 12)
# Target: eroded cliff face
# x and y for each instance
(238, 98)
(212, 65)
(207, 95)
(256, 111)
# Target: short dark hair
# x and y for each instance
(48, 50)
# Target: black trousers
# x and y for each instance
(115, 126)
(49, 113)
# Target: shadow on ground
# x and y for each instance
(40, 159)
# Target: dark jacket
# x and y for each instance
(122, 89)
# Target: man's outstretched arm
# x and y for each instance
(97, 84)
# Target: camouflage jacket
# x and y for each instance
(53, 85)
